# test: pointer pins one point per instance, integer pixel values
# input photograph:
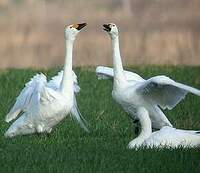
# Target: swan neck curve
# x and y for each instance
(67, 80)
(145, 122)
(117, 62)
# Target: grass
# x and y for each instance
(69, 149)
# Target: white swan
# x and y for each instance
(158, 91)
(166, 137)
(43, 105)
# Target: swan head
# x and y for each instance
(72, 30)
(111, 29)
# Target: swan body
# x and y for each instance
(152, 94)
(166, 137)
(43, 104)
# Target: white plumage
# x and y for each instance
(166, 137)
(162, 90)
(133, 92)
(43, 105)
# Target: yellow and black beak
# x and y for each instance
(79, 26)
(106, 27)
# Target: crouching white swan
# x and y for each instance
(132, 92)
(166, 137)
(43, 105)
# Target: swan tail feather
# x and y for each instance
(78, 116)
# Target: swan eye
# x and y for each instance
(113, 25)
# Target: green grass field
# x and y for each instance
(69, 149)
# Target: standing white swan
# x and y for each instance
(158, 91)
(166, 137)
(43, 105)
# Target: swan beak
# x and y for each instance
(80, 26)
(107, 27)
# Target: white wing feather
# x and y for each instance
(29, 95)
(171, 137)
(107, 73)
(165, 92)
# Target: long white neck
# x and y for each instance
(146, 130)
(66, 86)
(117, 62)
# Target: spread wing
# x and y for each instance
(107, 73)
(29, 95)
(55, 82)
(165, 92)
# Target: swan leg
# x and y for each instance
(142, 114)
(20, 127)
